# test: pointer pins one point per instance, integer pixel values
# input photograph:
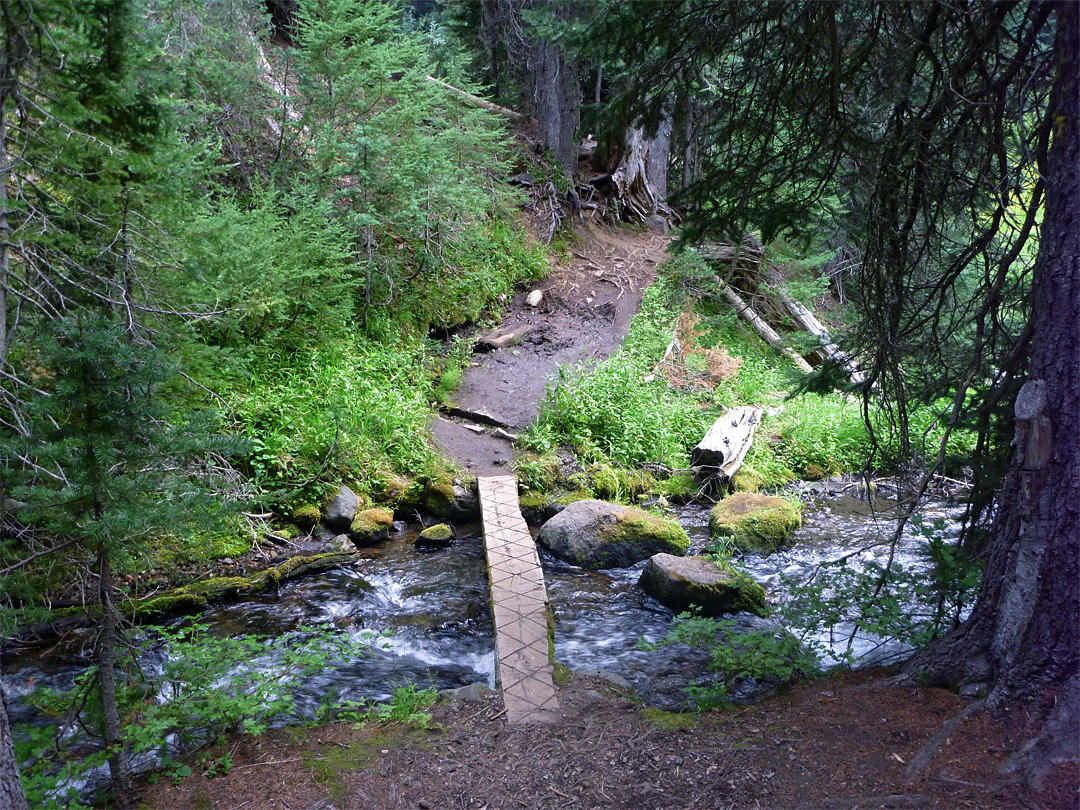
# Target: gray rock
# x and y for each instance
(684, 582)
(340, 512)
(534, 298)
(340, 543)
(452, 499)
(596, 534)
(657, 223)
(474, 691)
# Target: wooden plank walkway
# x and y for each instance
(519, 604)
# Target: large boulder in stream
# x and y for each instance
(597, 534)
(371, 526)
(713, 588)
(339, 513)
(755, 523)
(451, 498)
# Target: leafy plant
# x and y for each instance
(207, 687)
(407, 707)
(736, 656)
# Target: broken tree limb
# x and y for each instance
(762, 281)
(808, 322)
(768, 334)
(728, 441)
(482, 103)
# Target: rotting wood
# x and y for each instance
(765, 282)
(477, 416)
(500, 340)
(808, 322)
(727, 442)
(513, 116)
(768, 334)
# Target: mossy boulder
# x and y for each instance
(447, 497)
(596, 534)
(756, 523)
(438, 536)
(371, 526)
(306, 516)
(713, 588)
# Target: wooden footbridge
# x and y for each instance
(523, 664)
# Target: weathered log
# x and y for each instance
(805, 320)
(501, 339)
(766, 283)
(641, 176)
(482, 103)
(728, 441)
(768, 334)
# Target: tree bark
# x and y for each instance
(11, 792)
(1023, 634)
(556, 94)
(105, 655)
(642, 174)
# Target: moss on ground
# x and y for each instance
(668, 721)
(756, 523)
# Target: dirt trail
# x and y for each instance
(584, 313)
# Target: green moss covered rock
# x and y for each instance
(437, 536)
(756, 523)
(712, 588)
(448, 497)
(306, 516)
(596, 534)
(371, 526)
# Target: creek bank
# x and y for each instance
(185, 599)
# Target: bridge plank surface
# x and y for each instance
(519, 606)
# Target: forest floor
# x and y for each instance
(843, 742)
(832, 744)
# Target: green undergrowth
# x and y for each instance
(620, 415)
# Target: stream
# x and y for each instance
(433, 608)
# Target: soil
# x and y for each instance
(584, 314)
(829, 744)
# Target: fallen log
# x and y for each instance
(728, 441)
(482, 103)
(808, 322)
(763, 281)
(767, 333)
(191, 598)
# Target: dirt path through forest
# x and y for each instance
(584, 313)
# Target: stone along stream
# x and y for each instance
(433, 608)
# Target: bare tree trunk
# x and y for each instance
(641, 176)
(557, 101)
(1022, 639)
(11, 792)
(105, 654)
